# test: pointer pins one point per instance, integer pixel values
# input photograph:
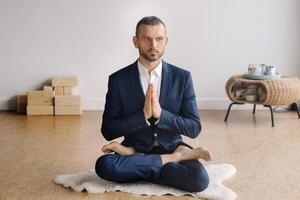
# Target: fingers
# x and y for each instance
(151, 102)
(150, 99)
(153, 89)
(154, 97)
(149, 92)
(156, 109)
(150, 88)
(148, 103)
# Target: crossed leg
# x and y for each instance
(180, 169)
(181, 152)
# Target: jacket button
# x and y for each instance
(155, 134)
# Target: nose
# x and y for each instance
(153, 43)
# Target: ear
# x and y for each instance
(135, 41)
(167, 39)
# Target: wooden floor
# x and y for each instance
(36, 149)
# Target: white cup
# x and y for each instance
(255, 69)
(263, 68)
(270, 70)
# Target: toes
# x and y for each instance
(107, 152)
(103, 148)
(106, 149)
(208, 156)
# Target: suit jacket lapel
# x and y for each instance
(135, 82)
(166, 83)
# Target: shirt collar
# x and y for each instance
(144, 71)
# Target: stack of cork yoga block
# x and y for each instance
(65, 103)
(40, 102)
(58, 99)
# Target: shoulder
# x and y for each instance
(176, 71)
(123, 72)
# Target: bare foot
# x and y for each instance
(118, 148)
(185, 153)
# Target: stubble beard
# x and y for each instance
(151, 57)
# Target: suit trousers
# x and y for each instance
(188, 175)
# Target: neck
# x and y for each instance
(148, 64)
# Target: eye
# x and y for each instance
(146, 39)
(159, 39)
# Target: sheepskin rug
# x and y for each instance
(90, 182)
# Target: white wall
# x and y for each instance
(91, 39)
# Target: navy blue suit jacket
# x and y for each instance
(124, 116)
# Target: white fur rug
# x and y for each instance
(89, 181)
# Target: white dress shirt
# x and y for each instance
(153, 77)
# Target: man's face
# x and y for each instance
(151, 41)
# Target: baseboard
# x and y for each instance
(220, 104)
(7, 104)
(98, 104)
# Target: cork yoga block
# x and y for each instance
(65, 81)
(68, 110)
(40, 98)
(68, 90)
(40, 110)
(48, 88)
(73, 100)
(59, 90)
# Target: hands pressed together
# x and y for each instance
(152, 107)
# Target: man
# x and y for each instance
(152, 103)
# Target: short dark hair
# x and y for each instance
(148, 20)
